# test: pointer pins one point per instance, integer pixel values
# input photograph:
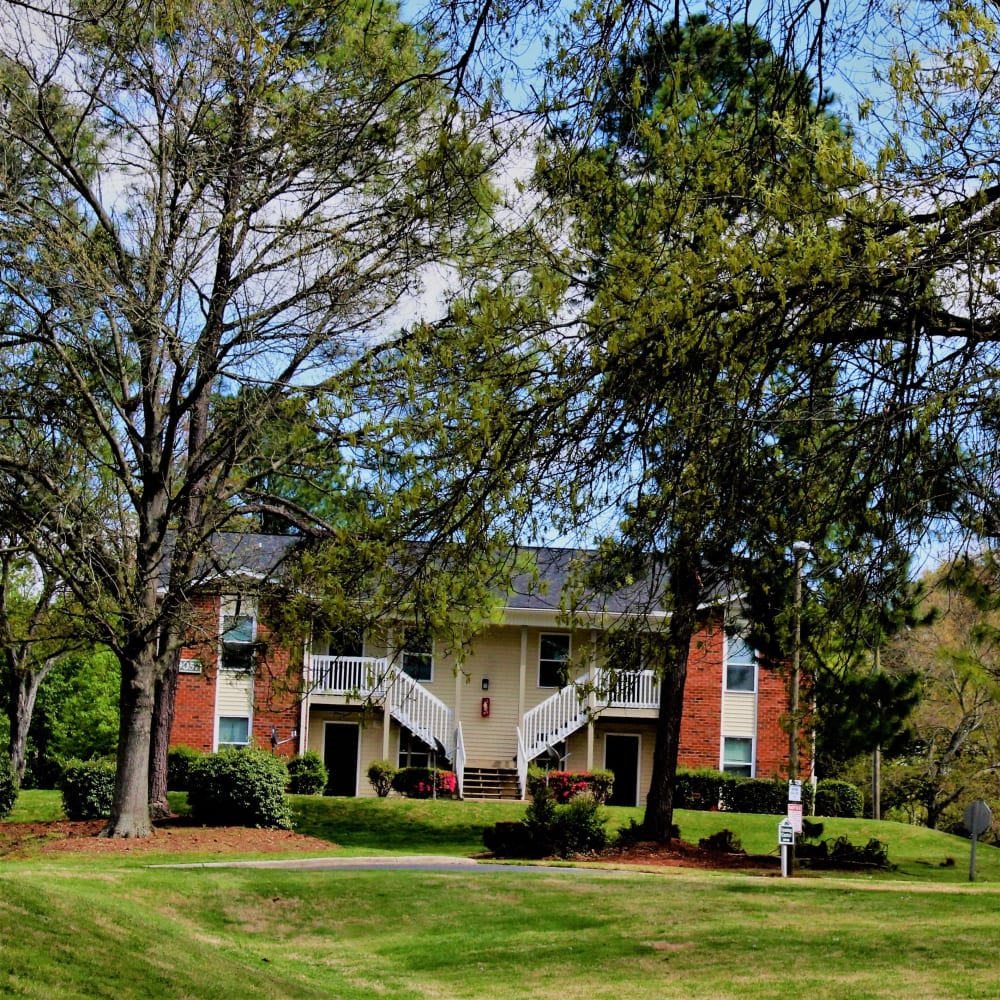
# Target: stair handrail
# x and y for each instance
(522, 764)
(559, 716)
(459, 760)
(421, 711)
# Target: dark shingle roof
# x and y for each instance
(557, 580)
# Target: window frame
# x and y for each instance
(549, 663)
(237, 610)
(422, 658)
(736, 643)
(412, 751)
(729, 765)
(221, 744)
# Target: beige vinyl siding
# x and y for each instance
(234, 693)
(496, 656)
(739, 713)
(369, 743)
(579, 647)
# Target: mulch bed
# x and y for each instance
(180, 835)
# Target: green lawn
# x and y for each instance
(109, 926)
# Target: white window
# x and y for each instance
(239, 632)
(234, 731)
(413, 752)
(741, 666)
(418, 654)
(737, 755)
(553, 660)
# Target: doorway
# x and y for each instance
(340, 754)
(621, 757)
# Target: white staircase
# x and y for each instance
(572, 707)
(406, 700)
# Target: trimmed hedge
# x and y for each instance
(706, 790)
(88, 788)
(701, 789)
(8, 786)
(419, 782)
(242, 786)
(768, 796)
(564, 785)
(839, 798)
(307, 774)
(179, 761)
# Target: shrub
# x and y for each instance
(839, 798)
(88, 788)
(579, 827)
(239, 787)
(636, 833)
(723, 840)
(540, 821)
(874, 854)
(307, 774)
(701, 789)
(420, 782)
(179, 761)
(380, 774)
(8, 786)
(565, 784)
(761, 795)
(509, 840)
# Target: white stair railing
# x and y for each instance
(406, 700)
(550, 722)
(459, 760)
(522, 764)
(570, 708)
(423, 713)
(631, 689)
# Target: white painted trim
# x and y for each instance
(753, 751)
(725, 667)
(538, 659)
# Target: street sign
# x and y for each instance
(795, 816)
(977, 817)
(794, 791)
(786, 832)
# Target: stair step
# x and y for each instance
(490, 783)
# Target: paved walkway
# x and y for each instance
(418, 862)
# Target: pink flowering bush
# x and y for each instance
(566, 785)
(418, 782)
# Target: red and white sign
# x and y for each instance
(795, 815)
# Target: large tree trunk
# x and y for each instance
(163, 720)
(22, 705)
(130, 815)
(659, 816)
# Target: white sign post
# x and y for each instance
(786, 840)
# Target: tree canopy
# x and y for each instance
(219, 207)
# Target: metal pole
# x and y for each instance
(799, 549)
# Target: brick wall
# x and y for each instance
(701, 721)
(194, 708)
(275, 691)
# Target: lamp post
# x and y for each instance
(800, 550)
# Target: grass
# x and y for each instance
(107, 926)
